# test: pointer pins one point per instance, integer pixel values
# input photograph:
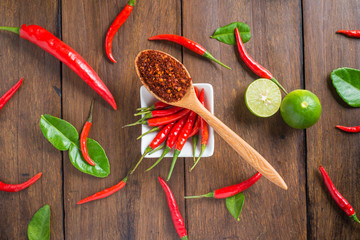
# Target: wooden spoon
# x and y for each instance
(249, 154)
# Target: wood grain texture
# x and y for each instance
(24, 150)
(138, 211)
(338, 152)
(270, 214)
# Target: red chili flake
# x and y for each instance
(165, 77)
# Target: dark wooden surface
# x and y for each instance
(295, 40)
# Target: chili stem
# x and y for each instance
(197, 161)
(157, 149)
(147, 150)
(91, 111)
(208, 195)
(209, 56)
(354, 217)
(144, 109)
(279, 85)
(11, 29)
(141, 113)
(176, 154)
(140, 121)
(150, 131)
(166, 150)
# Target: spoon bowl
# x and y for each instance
(190, 101)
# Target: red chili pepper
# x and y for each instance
(48, 42)
(195, 130)
(157, 149)
(105, 193)
(118, 22)
(6, 97)
(174, 211)
(204, 132)
(189, 44)
(156, 105)
(350, 33)
(254, 66)
(154, 129)
(170, 143)
(183, 136)
(349, 129)
(168, 119)
(197, 124)
(231, 190)
(196, 127)
(154, 122)
(18, 187)
(159, 139)
(84, 135)
(161, 113)
(339, 199)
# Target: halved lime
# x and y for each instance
(263, 97)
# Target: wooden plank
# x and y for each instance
(336, 151)
(139, 210)
(24, 150)
(269, 212)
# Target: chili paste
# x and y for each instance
(164, 76)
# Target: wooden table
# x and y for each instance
(295, 40)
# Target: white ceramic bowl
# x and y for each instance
(147, 100)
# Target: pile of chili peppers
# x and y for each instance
(176, 126)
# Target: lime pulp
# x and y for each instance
(263, 97)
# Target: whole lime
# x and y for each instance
(300, 109)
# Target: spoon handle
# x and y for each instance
(248, 153)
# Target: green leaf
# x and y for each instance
(347, 84)
(226, 34)
(59, 132)
(96, 153)
(39, 226)
(235, 204)
(64, 137)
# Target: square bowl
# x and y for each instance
(147, 100)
